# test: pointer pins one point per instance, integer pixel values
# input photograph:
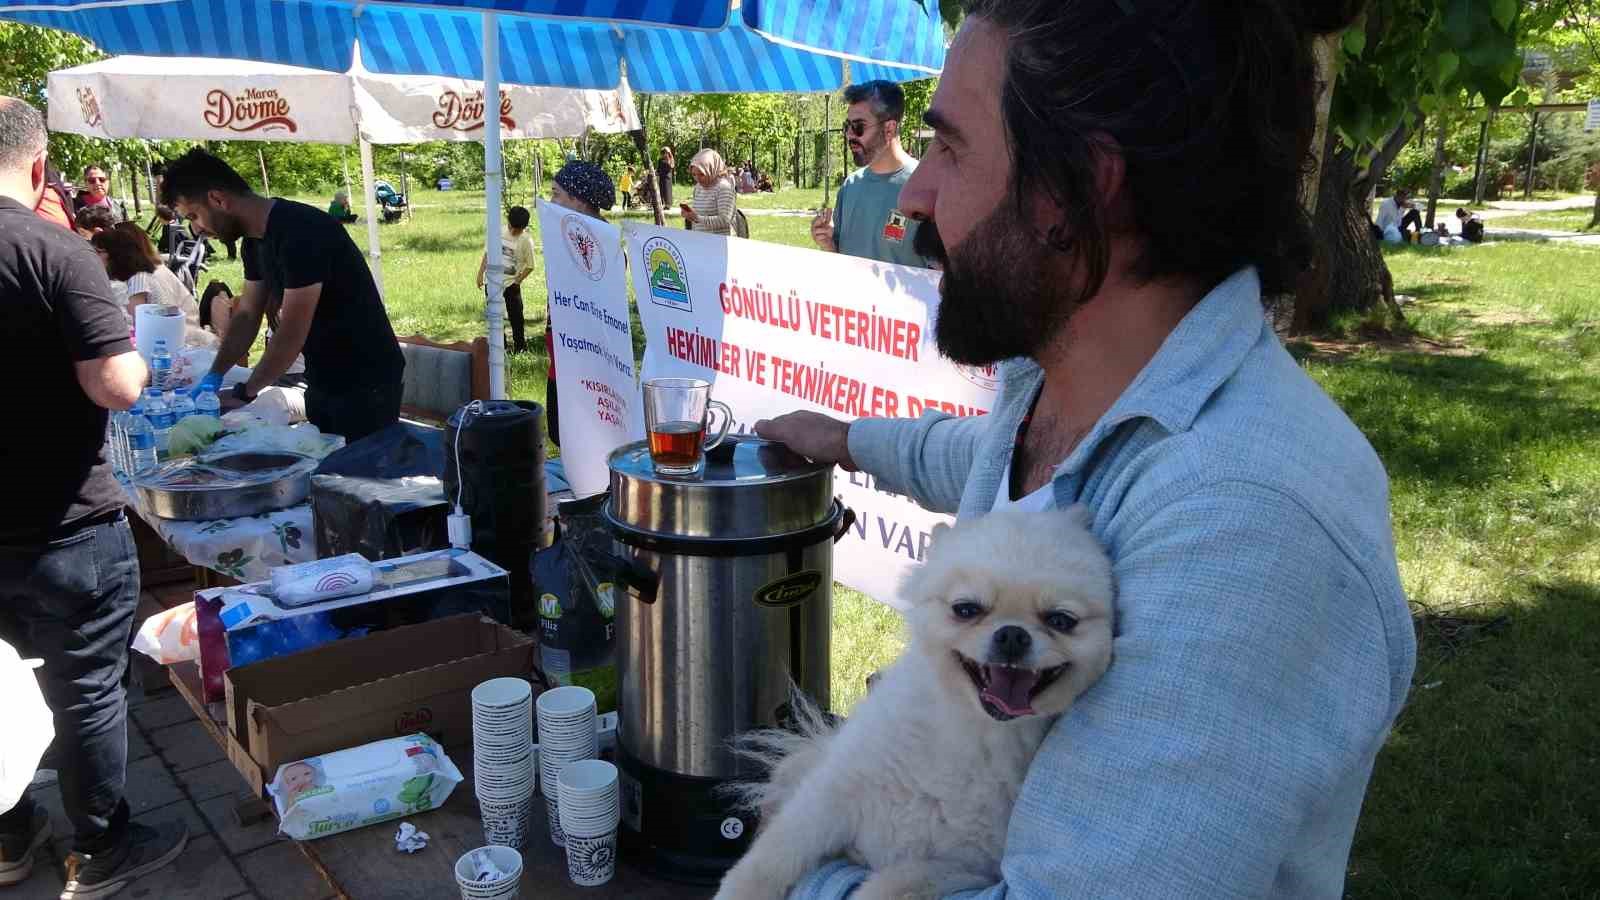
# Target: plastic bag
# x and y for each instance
(575, 580)
(306, 440)
(170, 636)
(379, 518)
(29, 728)
(397, 451)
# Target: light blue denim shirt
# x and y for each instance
(1263, 643)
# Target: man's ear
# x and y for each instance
(37, 178)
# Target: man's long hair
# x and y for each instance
(1209, 103)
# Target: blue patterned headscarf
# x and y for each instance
(587, 182)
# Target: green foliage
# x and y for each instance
(1418, 56)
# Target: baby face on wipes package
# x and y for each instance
(372, 783)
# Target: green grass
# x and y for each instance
(1551, 220)
(1491, 437)
(1486, 787)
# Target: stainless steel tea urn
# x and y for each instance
(728, 588)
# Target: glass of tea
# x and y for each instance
(676, 413)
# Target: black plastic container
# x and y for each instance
(500, 482)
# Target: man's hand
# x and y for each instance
(811, 435)
(212, 382)
(822, 230)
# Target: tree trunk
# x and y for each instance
(1595, 221)
(1436, 183)
(1347, 269)
(654, 191)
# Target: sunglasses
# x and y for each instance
(855, 127)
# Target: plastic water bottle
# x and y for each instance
(140, 440)
(119, 468)
(160, 366)
(182, 406)
(208, 404)
(160, 415)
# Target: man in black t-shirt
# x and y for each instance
(69, 575)
(304, 275)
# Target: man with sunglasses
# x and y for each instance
(94, 193)
(867, 221)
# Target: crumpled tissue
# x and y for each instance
(408, 839)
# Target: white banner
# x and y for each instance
(779, 329)
(203, 100)
(1593, 120)
(226, 99)
(396, 109)
(597, 387)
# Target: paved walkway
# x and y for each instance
(176, 771)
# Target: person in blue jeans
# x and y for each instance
(1082, 195)
(69, 575)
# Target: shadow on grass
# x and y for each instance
(1457, 420)
(1486, 787)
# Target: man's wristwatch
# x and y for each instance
(242, 393)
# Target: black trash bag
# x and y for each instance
(575, 580)
(393, 452)
(379, 518)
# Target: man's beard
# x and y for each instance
(225, 227)
(999, 298)
(864, 154)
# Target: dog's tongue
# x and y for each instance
(1009, 689)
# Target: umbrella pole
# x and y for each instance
(369, 185)
(491, 188)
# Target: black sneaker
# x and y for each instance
(16, 850)
(142, 851)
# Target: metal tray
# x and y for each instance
(226, 487)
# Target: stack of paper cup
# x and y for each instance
(489, 873)
(590, 810)
(567, 734)
(502, 758)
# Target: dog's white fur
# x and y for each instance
(919, 782)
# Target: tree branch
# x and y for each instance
(1391, 148)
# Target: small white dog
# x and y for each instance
(1010, 621)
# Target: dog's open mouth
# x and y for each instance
(1007, 692)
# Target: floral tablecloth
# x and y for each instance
(246, 548)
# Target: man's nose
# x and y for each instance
(917, 195)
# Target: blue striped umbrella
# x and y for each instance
(669, 46)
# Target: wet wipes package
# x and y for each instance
(363, 785)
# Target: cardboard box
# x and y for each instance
(244, 625)
(396, 682)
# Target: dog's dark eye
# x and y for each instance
(1060, 621)
(966, 609)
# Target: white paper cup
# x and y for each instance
(507, 859)
(564, 703)
(501, 693)
(553, 816)
(592, 860)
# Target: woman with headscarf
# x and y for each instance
(584, 188)
(715, 199)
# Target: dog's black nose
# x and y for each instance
(1011, 643)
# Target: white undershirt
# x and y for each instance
(1038, 501)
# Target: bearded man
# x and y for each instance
(1082, 196)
